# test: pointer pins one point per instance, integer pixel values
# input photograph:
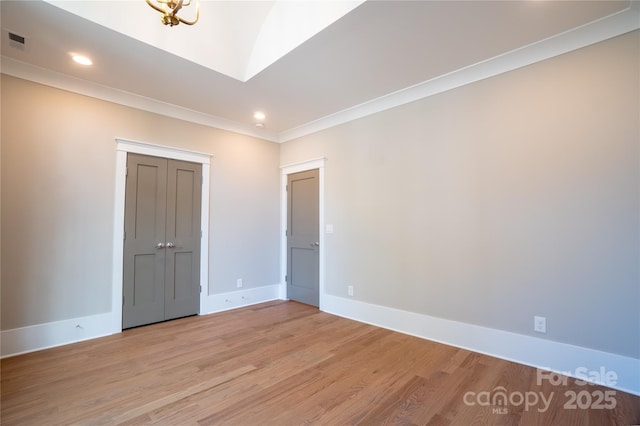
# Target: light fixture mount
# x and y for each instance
(170, 8)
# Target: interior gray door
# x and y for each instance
(182, 271)
(161, 272)
(302, 237)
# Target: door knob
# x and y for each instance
(170, 245)
(160, 246)
(316, 244)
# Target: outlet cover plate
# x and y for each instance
(540, 324)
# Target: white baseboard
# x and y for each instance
(237, 299)
(539, 353)
(573, 361)
(42, 336)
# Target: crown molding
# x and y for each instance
(608, 27)
(605, 28)
(69, 83)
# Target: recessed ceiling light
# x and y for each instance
(82, 60)
(259, 115)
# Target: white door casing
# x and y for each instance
(318, 163)
(123, 147)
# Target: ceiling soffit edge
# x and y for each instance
(608, 27)
(15, 68)
(600, 30)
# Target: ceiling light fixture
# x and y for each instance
(170, 8)
(82, 60)
(259, 116)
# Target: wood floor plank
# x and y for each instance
(181, 394)
(279, 363)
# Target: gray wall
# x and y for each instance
(497, 201)
(58, 183)
(488, 204)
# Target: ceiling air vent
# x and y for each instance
(17, 38)
(17, 41)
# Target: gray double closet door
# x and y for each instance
(161, 273)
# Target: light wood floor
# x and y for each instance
(281, 363)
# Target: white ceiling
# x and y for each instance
(254, 34)
(377, 48)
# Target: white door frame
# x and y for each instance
(123, 147)
(286, 170)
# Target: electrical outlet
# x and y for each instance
(540, 324)
(239, 283)
(350, 290)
